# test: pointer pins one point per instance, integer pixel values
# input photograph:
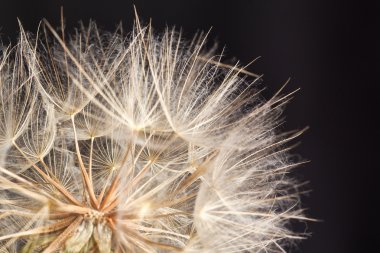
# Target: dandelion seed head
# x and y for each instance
(138, 143)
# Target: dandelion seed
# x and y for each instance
(144, 143)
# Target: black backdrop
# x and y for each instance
(326, 47)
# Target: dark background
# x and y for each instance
(328, 48)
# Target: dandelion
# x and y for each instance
(138, 143)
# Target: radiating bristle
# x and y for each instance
(138, 143)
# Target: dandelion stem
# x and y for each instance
(86, 179)
(90, 160)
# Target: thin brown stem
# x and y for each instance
(90, 160)
(200, 170)
(61, 238)
(57, 185)
(40, 230)
(85, 177)
(110, 192)
(115, 182)
(114, 202)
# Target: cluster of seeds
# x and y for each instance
(138, 143)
